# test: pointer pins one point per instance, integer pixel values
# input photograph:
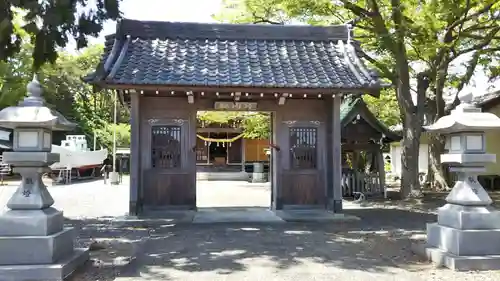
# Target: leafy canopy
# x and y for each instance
(51, 24)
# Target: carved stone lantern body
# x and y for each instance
(467, 233)
(34, 243)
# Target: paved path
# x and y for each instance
(95, 199)
(83, 199)
(233, 194)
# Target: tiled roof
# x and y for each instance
(354, 105)
(347, 108)
(486, 98)
(233, 55)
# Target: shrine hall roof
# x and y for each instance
(352, 106)
(233, 55)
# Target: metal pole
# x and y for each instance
(114, 134)
(95, 141)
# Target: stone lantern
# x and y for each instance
(467, 233)
(34, 244)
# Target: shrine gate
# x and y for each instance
(169, 71)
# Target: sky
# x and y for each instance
(165, 10)
(202, 11)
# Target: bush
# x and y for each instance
(105, 135)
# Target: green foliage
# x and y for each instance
(50, 24)
(221, 117)
(385, 108)
(256, 125)
(65, 91)
(14, 78)
(387, 167)
(252, 11)
(432, 34)
(122, 135)
(397, 36)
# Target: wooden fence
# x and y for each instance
(368, 184)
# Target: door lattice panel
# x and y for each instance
(166, 147)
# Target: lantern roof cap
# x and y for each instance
(33, 113)
(466, 117)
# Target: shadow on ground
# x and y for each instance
(158, 250)
(428, 203)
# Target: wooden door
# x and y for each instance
(302, 174)
(169, 179)
(234, 152)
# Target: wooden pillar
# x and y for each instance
(329, 156)
(243, 143)
(355, 168)
(337, 155)
(276, 170)
(381, 171)
(135, 155)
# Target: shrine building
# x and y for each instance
(298, 74)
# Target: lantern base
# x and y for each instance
(464, 242)
(467, 233)
(46, 272)
(31, 222)
(465, 237)
(458, 263)
(469, 217)
(35, 245)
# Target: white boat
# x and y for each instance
(75, 154)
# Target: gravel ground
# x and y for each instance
(378, 246)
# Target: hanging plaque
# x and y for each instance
(230, 105)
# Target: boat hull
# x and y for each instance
(70, 159)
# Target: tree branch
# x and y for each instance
(471, 67)
(478, 37)
(419, 54)
(460, 21)
(479, 27)
(381, 28)
(460, 29)
(260, 19)
(487, 40)
(382, 67)
(472, 16)
(355, 9)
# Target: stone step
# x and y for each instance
(31, 222)
(469, 217)
(458, 263)
(223, 176)
(24, 250)
(58, 271)
(464, 242)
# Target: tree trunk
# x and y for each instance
(436, 148)
(436, 142)
(410, 185)
(412, 130)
